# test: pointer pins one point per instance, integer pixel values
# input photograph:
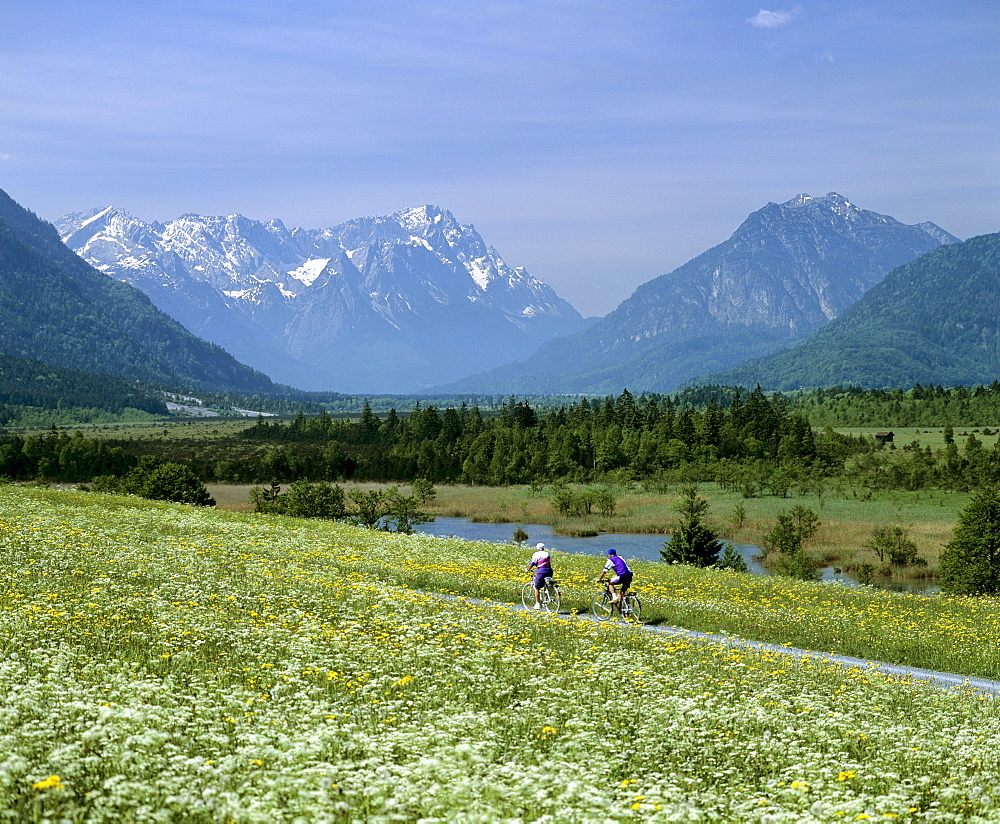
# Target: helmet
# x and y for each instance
(539, 545)
(612, 552)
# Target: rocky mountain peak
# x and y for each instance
(832, 200)
(786, 271)
(445, 300)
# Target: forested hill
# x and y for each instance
(31, 384)
(56, 308)
(933, 321)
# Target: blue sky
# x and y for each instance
(597, 144)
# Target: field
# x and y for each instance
(165, 663)
(846, 518)
(197, 429)
(927, 435)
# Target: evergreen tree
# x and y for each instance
(970, 562)
(731, 559)
(694, 542)
(783, 544)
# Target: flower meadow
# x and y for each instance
(169, 663)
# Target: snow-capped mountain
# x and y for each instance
(56, 309)
(377, 304)
(789, 269)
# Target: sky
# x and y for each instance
(597, 144)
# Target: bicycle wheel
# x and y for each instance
(528, 596)
(631, 609)
(551, 598)
(601, 606)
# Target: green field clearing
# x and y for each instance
(162, 662)
(927, 436)
(200, 429)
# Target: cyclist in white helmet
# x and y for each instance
(541, 563)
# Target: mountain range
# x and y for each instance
(376, 304)
(935, 320)
(805, 293)
(56, 309)
(788, 270)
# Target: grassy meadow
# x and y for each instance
(168, 663)
(926, 435)
(847, 517)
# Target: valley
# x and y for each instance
(317, 319)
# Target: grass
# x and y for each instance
(847, 518)
(926, 436)
(166, 663)
(825, 616)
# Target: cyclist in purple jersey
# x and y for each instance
(622, 575)
(541, 562)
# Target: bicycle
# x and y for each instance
(628, 608)
(549, 596)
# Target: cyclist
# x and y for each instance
(622, 575)
(541, 562)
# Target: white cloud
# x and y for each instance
(5, 156)
(765, 19)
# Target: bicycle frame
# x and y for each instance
(549, 594)
(627, 607)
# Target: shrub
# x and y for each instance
(160, 481)
(302, 500)
(892, 545)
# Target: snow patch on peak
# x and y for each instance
(419, 241)
(422, 218)
(71, 224)
(800, 200)
(310, 270)
(480, 271)
(98, 216)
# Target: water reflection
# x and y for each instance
(629, 545)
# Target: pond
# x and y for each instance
(644, 547)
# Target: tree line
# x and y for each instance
(612, 437)
(755, 443)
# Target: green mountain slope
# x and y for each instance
(933, 321)
(34, 394)
(56, 308)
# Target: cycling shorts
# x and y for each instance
(540, 576)
(625, 579)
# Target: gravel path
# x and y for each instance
(941, 680)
